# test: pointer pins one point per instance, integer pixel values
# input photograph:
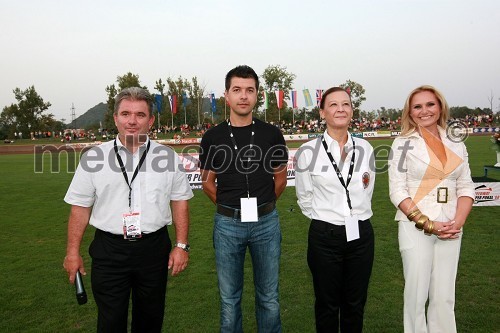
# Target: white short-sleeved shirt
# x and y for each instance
(99, 183)
(320, 194)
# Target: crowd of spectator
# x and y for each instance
(300, 126)
(486, 120)
(381, 124)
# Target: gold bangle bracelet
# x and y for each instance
(430, 228)
(413, 214)
(421, 221)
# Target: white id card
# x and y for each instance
(132, 225)
(351, 227)
(249, 212)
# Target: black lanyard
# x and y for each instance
(235, 145)
(124, 172)
(337, 171)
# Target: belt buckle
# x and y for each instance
(442, 194)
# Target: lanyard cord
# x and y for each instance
(337, 171)
(233, 140)
(136, 171)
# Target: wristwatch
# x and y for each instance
(183, 246)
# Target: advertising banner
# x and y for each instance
(486, 130)
(191, 165)
(487, 193)
(384, 134)
(370, 134)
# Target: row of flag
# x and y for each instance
(293, 98)
(172, 99)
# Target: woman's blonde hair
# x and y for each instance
(408, 125)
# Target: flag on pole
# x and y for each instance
(213, 102)
(158, 102)
(319, 95)
(293, 97)
(279, 98)
(266, 100)
(185, 99)
(172, 99)
(307, 97)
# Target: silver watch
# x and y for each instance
(183, 246)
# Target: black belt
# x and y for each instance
(326, 226)
(143, 235)
(236, 212)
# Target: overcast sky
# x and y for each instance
(71, 50)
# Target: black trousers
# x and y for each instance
(121, 267)
(341, 272)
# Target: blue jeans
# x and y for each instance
(263, 238)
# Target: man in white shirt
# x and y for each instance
(129, 189)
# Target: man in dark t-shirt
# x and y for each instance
(248, 159)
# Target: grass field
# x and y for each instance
(35, 295)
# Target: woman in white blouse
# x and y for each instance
(430, 184)
(334, 180)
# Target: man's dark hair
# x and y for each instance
(244, 72)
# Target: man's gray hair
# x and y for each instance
(134, 94)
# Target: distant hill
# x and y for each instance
(90, 118)
(96, 114)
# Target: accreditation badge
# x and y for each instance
(132, 225)
(249, 211)
(352, 227)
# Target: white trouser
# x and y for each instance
(430, 269)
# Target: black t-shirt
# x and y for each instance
(218, 154)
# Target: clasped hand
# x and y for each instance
(446, 230)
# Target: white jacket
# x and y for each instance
(411, 175)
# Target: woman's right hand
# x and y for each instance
(444, 230)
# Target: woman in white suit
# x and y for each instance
(430, 184)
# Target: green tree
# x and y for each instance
(160, 87)
(460, 111)
(357, 96)
(126, 81)
(386, 114)
(222, 110)
(108, 117)
(28, 114)
(307, 115)
(8, 121)
(190, 99)
(275, 77)
(198, 93)
(177, 88)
